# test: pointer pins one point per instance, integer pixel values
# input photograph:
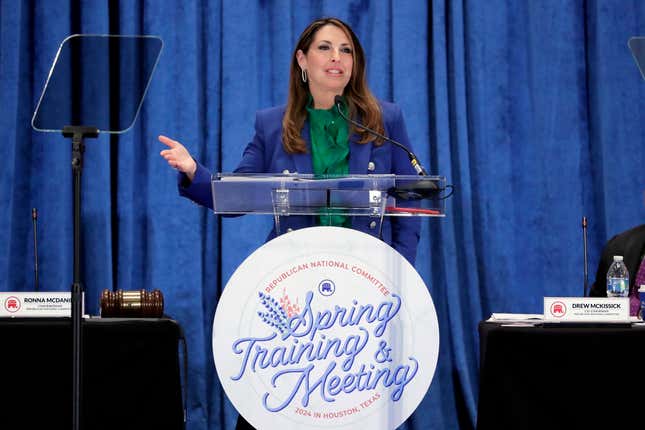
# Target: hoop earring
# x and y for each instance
(303, 75)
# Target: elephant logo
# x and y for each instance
(326, 287)
(558, 309)
(12, 304)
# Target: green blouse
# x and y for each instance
(329, 150)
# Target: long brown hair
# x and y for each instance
(360, 100)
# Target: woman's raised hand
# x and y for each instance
(178, 157)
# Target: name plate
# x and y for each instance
(35, 304)
(586, 309)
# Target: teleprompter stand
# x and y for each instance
(99, 80)
(77, 133)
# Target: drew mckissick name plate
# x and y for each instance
(325, 328)
(586, 309)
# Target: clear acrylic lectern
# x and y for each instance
(375, 196)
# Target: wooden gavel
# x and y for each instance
(138, 303)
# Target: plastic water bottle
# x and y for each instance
(617, 278)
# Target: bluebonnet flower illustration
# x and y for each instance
(275, 316)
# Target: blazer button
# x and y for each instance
(371, 166)
(373, 224)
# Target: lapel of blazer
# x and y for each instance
(303, 162)
(359, 155)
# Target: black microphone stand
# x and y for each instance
(585, 291)
(34, 222)
(77, 133)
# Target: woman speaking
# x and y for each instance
(309, 134)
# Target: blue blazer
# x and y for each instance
(265, 154)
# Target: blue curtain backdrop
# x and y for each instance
(532, 109)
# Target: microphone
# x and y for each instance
(34, 221)
(416, 191)
(584, 250)
(338, 101)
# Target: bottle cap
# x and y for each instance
(618, 258)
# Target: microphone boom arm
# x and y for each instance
(413, 158)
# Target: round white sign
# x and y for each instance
(325, 327)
